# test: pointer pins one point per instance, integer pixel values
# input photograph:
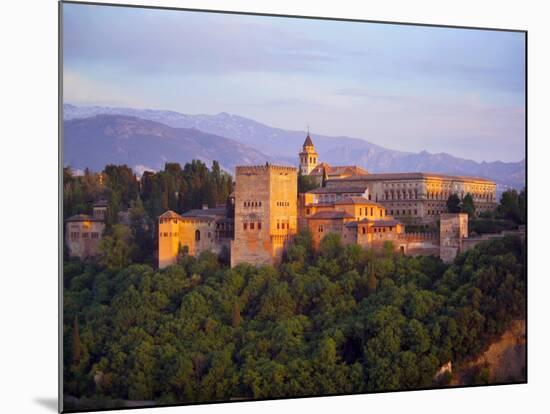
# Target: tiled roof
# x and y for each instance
(349, 170)
(83, 217)
(308, 142)
(340, 189)
(358, 200)
(330, 215)
(386, 223)
(170, 214)
(375, 223)
(206, 212)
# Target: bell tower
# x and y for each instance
(308, 156)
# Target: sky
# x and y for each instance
(409, 88)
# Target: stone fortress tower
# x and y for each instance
(452, 231)
(265, 213)
(308, 156)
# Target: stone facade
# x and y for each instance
(453, 229)
(414, 198)
(365, 209)
(83, 232)
(266, 213)
(191, 233)
(355, 218)
(417, 198)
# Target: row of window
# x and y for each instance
(434, 212)
(252, 204)
(167, 221)
(175, 234)
(224, 226)
(404, 212)
(85, 235)
(312, 160)
(401, 195)
(252, 225)
(283, 203)
(401, 185)
(168, 234)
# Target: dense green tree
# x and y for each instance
(453, 204)
(116, 248)
(307, 183)
(76, 345)
(513, 206)
(467, 205)
(199, 331)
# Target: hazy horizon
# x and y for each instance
(313, 133)
(407, 88)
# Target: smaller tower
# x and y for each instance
(308, 156)
(453, 228)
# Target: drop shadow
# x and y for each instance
(49, 403)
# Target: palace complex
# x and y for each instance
(265, 212)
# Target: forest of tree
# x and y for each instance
(174, 188)
(509, 214)
(340, 320)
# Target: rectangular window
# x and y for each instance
(259, 225)
(85, 235)
(371, 211)
(360, 211)
(245, 226)
(251, 226)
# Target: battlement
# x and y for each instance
(418, 236)
(256, 169)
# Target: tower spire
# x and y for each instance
(308, 156)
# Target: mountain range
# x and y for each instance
(144, 138)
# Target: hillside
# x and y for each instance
(504, 360)
(143, 144)
(283, 145)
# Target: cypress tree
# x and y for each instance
(77, 347)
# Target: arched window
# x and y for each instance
(364, 230)
(197, 235)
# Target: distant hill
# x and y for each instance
(283, 145)
(143, 144)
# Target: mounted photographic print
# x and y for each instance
(260, 206)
